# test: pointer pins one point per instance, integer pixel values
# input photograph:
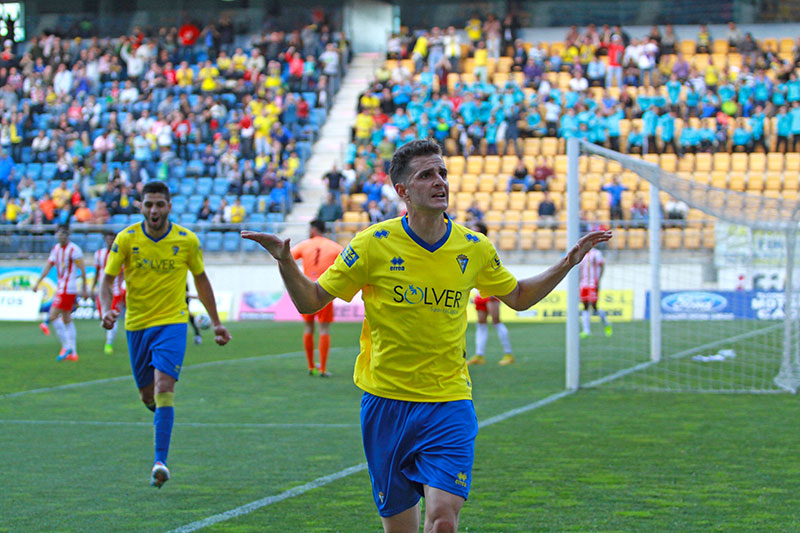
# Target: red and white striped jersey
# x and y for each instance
(100, 260)
(63, 258)
(590, 268)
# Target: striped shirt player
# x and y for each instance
(118, 302)
(414, 273)
(591, 270)
(317, 254)
(67, 258)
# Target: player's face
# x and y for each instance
(155, 208)
(109, 240)
(63, 237)
(427, 187)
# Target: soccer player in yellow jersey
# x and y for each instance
(156, 255)
(415, 273)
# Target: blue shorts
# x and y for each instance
(161, 347)
(411, 444)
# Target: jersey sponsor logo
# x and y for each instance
(462, 262)
(461, 479)
(349, 256)
(114, 248)
(496, 263)
(159, 265)
(182, 233)
(380, 234)
(131, 231)
(397, 264)
(471, 237)
(135, 250)
(430, 296)
(175, 250)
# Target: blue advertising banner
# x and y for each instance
(719, 305)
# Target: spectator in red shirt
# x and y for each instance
(615, 53)
(188, 34)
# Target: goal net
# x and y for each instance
(703, 302)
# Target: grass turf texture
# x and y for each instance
(251, 423)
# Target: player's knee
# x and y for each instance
(443, 524)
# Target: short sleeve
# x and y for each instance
(195, 260)
(494, 278)
(349, 273)
(117, 255)
(52, 258)
(77, 253)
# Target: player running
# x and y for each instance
(157, 255)
(67, 257)
(591, 269)
(118, 302)
(317, 253)
(489, 306)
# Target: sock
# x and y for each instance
(162, 423)
(502, 332)
(324, 347)
(481, 335)
(194, 326)
(110, 334)
(603, 316)
(585, 315)
(61, 331)
(71, 336)
(308, 343)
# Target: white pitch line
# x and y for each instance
(198, 365)
(177, 424)
(326, 480)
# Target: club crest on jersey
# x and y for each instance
(175, 250)
(380, 234)
(397, 264)
(462, 262)
(349, 256)
(115, 248)
(471, 237)
(495, 263)
(135, 250)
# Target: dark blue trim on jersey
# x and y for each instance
(417, 239)
(156, 240)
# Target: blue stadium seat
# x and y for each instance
(231, 241)
(174, 185)
(187, 219)
(304, 150)
(311, 98)
(256, 222)
(194, 203)
(220, 186)
(248, 202)
(94, 242)
(49, 171)
(204, 186)
(213, 241)
(179, 204)
(19, 170)
(230, 198)
(79, 238)
(250, 246)
(194, 167)
(27, 154)
(178, 169)
(39, 188)
(34, 171)
(119, 219)
(214, 201)
(187, 186)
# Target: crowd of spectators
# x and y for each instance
(86, 121)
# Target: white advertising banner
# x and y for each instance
(20, 305)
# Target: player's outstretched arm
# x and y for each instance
(107, 315)
(308, 296)
(530, 290)
(45, 272)
(206, 295)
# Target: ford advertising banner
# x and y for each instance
(719, 305)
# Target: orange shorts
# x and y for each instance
(65, 302)
(323, 315)
(480, 303)
(589, 295)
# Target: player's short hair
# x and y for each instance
(319, 225)
(156, 187)
(480, 227)
(398, 170)
(62, 227)
(109, 232)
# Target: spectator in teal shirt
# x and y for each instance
(779, 95)
(649, 124)
(741, 137)
(612, 123)
(569, 125)
(666, 124)
(491, 136)
(690, 139)
(635, 140)
(793, 88)
(756, 124)
(784, 126)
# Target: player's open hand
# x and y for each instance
(109, 318)
(586, 243)
(278, 248)
(221, 335)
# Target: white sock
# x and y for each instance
(71, 336)
(110, 334)
(481, 335)
(502, 332)
(603, 316)
(61, 331)
(585, 316)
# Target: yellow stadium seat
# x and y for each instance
(736, 181)
(686, 163)
(651, 158)
(508, 238)
(620, 239)
(739, 162)
(560, 166)
(469, 183)
(463, 201)
(493, 219)
(560, 240)
(527, 237)
(672, 238)
(792, 162)
(486, 183)
(773, 181)
(703, 178)
(356, 201)
(597, 165)
(691, 238)
(774, 162)
(558, 185)
(786, 45)
(491, 164)
(499, 201)
(695, 218)
(593, 182)
(702, 162)
(500, 79)
(709, 237)
(790, 182)
(544, 239)
(508, 163)
(788, 195)
(719, 46)
(530, 219)
(455, 182)
(484, 200)
(757, 162)
(722, 161)
(669, 162)
(637, 239)
(512, 220)
(474, 164)
(456, 164)
(549, 146)
(501, 182)
(589, 201)
(534, 197)
(517, 201)
(719, 179)
(532, 146)
(755, 183)
(687, 47)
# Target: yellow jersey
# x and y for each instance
(155, 273)
(415, 301)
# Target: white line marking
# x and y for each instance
(177, 424)
(198, 365)
(326, 480)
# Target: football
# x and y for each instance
(202, 321)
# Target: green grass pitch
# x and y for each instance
(76, 443)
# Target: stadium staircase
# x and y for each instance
(330, 146)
